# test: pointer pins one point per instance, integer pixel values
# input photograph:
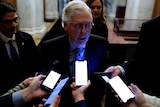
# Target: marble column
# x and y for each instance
(51, 10)
(31, 13)
(139, 9)
(135, 9)
(61, 4)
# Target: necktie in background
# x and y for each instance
(14, 54)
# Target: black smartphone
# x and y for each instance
(57, 90)
(81, 72)
(50, 81)
(122, 90)
(108, 74)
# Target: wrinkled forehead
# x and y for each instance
(84, 16)
(81, 14)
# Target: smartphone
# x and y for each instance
(122, 90)
(108, 74)
(81, 73)
(50, 81)
(57, 90)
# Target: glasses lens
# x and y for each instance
(9, 21)
(80, 26)
(88, 26)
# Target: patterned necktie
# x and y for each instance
(80, 54)
(14, 55)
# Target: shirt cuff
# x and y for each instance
(81, 103)
(18, 100)
(121, 69)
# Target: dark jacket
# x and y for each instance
(11, 74)
(6, 101)
(144, 69)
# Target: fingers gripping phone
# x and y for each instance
(57, 90)
(50, 81)
(117, 84)
(81, 73)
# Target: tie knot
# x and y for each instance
(80, 50)
(13, 53)
(80, 53)
(10, 42)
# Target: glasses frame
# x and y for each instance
(10, 21)
(79, 26)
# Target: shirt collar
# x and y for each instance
(5, 38)
(72, 47)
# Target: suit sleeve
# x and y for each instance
(6, 101)
(81, 104)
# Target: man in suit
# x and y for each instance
(24, 45)
(143, 70)
(60, 52)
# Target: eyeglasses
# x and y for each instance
(79, 27)
(10, 21)
(97, 7)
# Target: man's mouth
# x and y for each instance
(82, 38)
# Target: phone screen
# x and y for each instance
(81, 73)
(120, 88)
(51, 80)
(57, 90)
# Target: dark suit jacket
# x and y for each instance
(144, 70)
(81, 104)
(55, 53)
(6, 101)
(11, 74)
(101, 30)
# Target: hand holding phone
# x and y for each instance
(81, 73)
(117, 84)
(57, 90)
(50, 81)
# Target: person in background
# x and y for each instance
(143, 68)
(25, 96)
(26, 63)
(61, 53)
(99, 18)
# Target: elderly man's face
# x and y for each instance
(79, 29)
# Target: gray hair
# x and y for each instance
(72, 8)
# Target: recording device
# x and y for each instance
(50, 81)
(57, 90)
(122, 90)
(108, 74)
(81, 73)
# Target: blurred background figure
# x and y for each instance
(99, 18)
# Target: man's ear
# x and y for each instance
(64, 25)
